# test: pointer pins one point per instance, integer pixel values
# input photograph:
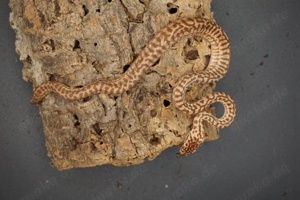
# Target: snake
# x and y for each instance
(217, 68)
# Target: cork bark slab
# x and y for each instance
(78, 42)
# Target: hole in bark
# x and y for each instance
(86, 11)
(154, 140)
(52, 44)
(98, 10)
(198, 39)
(95, 44)
(77, 123)
(189, 42)
(126, 67)
(166, 103)
(57, 8)
(78, 86)
(124, 114)
(109, 1)
(143, 1)
(156, 62)
(172, 8)
(76, 45)
(93, 147)
(52, 77)
(207, 58)
(192, 55)
(97, 129)
(174, 132)
(28, 59)
(153, 113)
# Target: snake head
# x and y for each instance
(190, 145)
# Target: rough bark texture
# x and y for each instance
(81, 41)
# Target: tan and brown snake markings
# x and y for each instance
(216, 69)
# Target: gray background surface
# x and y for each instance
(255, 158)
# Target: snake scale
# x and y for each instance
(216, 69)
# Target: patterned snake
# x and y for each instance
(216, 69)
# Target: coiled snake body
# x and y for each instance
(216, 69)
